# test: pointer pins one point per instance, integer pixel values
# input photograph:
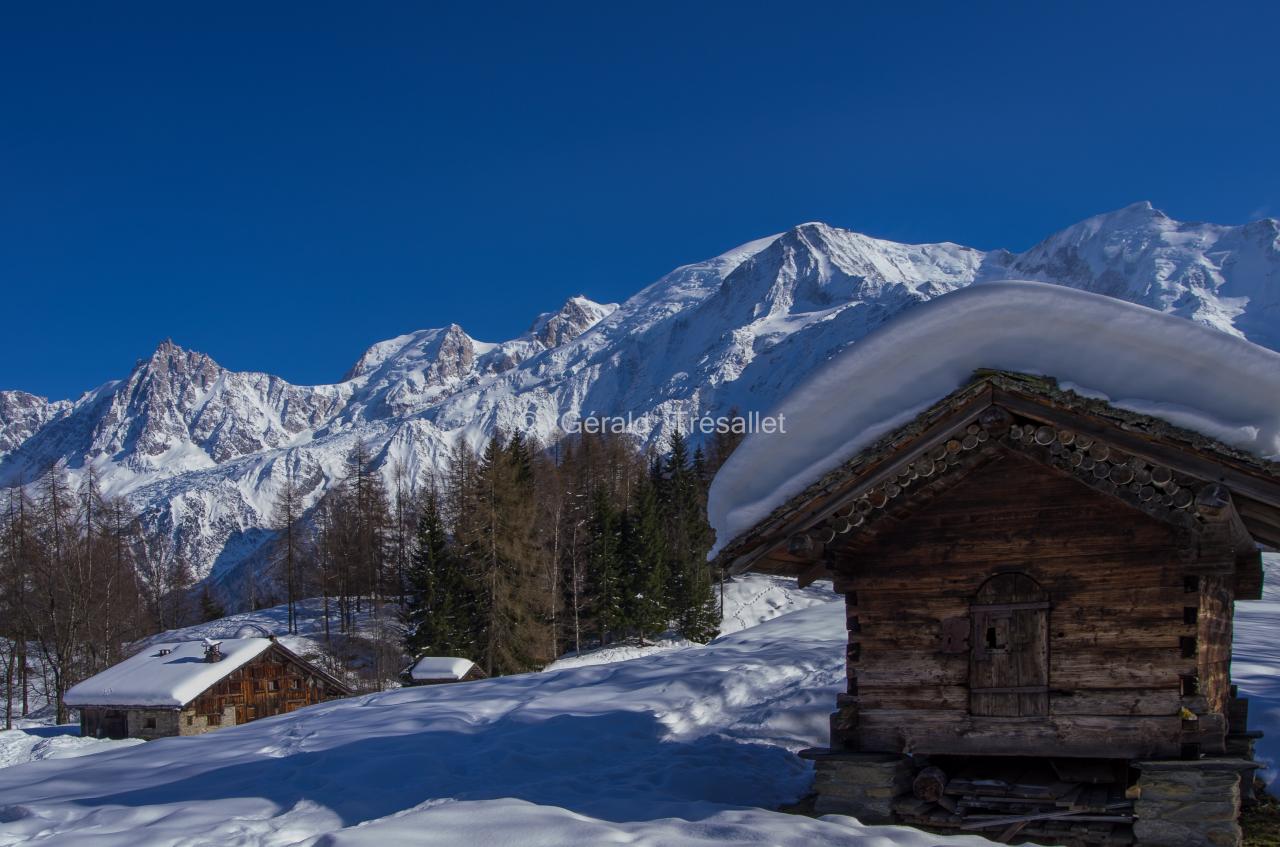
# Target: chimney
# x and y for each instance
(212, 651)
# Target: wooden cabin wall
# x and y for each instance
(1213, 641)
(271, 684)
(1122, 645)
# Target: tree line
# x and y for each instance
(510, 557)
(521, 555)
(79, 582)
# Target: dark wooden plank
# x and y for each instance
(943, 732)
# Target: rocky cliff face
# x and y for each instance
(201, 450)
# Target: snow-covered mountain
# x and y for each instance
(202, 450)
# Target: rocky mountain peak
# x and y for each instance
(22, 415)
(576, 316)
(199, 448)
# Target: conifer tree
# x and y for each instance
(210, 608)
(645, 557)
(440, 601)
(692, 593)
(502, 550)
(609, 587)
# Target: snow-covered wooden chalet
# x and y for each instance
(1039, 583)
(193, 687)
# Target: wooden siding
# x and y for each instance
(1134, 634)
(272, 684)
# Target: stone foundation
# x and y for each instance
(862, 785)
(149, 724)
(190, 723)
(1192, 803)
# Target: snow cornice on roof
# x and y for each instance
(1199, 379)
(171, 674)
(166, 674)
(848, 496)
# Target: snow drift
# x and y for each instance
(1134, 357)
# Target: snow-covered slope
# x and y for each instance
(202, 450)
(39, 743)
(692, 746)
(748, 600)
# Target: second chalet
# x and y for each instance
(194, 687)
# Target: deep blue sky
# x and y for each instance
(280, 189)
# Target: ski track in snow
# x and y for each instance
(687, 746)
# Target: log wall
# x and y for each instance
(271, 684)
(1135, 636)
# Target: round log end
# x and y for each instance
(1213, 500)
(801, 544)
(995, 419)
(929, 784)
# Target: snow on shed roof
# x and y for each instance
(441, 667)
(1133, 357)
(156, 678)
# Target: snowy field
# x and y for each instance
(1255, 665)
(688, 745)
(749, 601)
(35, 743)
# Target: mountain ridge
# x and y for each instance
(201, 450)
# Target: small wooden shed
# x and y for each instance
(193, 687)
(1039, 591)
(441, 670)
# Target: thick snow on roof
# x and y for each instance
(156, 678)
(441, 667)
(1133, 357)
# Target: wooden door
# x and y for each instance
(115, 724)
(1009, 648)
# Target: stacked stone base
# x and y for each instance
(1193, 803)
(1190, 803)
(862, 785)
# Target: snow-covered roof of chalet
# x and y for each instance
(441, 667)
(165, 674)
(1129, 356)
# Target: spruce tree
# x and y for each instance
(609, 588)
(504, 556)
(439, 602)
(210, 608)
(692, 588)
(645, 558)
